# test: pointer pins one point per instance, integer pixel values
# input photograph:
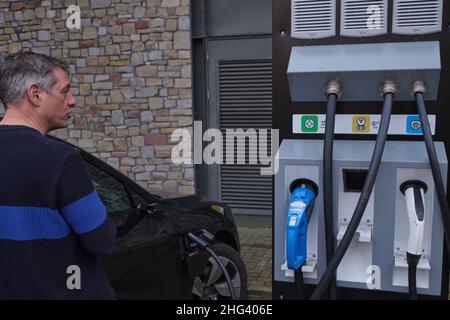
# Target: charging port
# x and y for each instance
(354, 179)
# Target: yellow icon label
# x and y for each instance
(360, 124)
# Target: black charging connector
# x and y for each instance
(197, 239)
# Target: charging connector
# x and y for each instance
(301, 204)
(414, 191)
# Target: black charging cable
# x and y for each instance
(434, 163)
(364, 197)
(205, 245)
(328, 182)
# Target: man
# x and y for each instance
(52, 222)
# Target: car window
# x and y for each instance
(111, 191)
(137, 198)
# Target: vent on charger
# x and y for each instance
(414, 17)
(313, 19)
(363, 18)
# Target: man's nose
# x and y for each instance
(72, 101)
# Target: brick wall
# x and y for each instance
(131, 74)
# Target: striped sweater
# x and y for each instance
(52, 223)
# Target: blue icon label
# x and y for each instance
(413, 125)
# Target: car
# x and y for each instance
(152, 257)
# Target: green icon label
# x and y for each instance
(310, 123)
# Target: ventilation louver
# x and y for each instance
(313, 19)
(363, 18)
(245, 92)
(413, 17)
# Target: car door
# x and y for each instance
(145, 261)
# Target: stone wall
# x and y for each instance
(131, 67)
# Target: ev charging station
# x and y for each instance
(360, 205)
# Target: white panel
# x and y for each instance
(313, 19)
(353, 267)
(417, 16)
(400, 124)
(363, 18)
(400, 273)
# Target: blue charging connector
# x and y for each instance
(301, 204)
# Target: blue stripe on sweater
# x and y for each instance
(85, 214)
(30, 223)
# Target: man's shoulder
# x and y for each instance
(57, 148)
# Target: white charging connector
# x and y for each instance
(414, 192)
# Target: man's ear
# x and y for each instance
(34, 95)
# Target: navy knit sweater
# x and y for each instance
(51, 218)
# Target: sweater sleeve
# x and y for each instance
(82, 209)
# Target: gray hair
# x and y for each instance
(19, 71)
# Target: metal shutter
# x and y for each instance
(313, 19)
(245, 101)
(356, 18)
(417, 16)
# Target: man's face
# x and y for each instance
(57, 103)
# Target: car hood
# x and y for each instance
(191, 201)
(191, 213)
